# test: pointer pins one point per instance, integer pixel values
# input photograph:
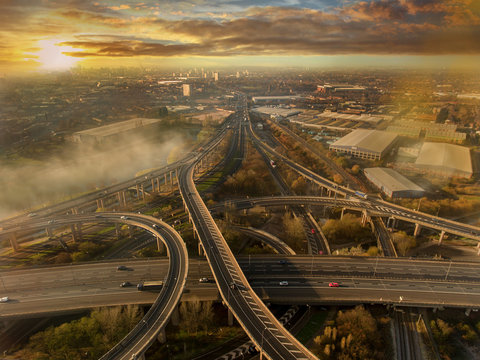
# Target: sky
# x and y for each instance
(56, 35)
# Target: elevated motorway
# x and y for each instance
(400, 282)
(377, 206)
(258, 322)
(426, 220)
(144, 333)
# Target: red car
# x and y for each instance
(313, 231)
(332, 284)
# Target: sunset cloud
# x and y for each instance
(246, 28)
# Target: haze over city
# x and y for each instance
(213, 180)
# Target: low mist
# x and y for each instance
(79, 169)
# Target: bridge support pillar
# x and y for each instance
(124, 198)
(48, 231)
(158, 184)
(153, 184)
(74, 211)
(171, 178)
(418, 228)
(143, 192)
(98, 204)
(117, 230)
(138, 191)
(201, 251)
(176, 175)
(343, 211)
(166, 182)
(364, 218)
(13, 241)
(162, 337)
(160, 245)
(230, 317)
(75, 236)
(119, 196)
(442, 235)
(175, 317)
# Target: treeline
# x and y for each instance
(252, 179)
(347, 229)
(86, 338)
(354, 334)
(451, 339)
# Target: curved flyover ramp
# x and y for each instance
(146, 331)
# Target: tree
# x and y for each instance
(404, 242)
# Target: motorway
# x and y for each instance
(50, 290)
(258, 322)
(143, 335)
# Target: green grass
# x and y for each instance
(312, 327)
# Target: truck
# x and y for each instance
(150, 286)
(272, 163)
(361, 194)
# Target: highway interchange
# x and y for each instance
(449, 284)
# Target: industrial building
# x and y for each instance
(445, 160)
(101, 134)
(365, 144)
(393, 184)
(276, 99)
(186, 89)
(275, 112)
(431, 131)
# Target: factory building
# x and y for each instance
(104, 133)
(393, 184)
(445, 160)
(365, 144)
(186, 89)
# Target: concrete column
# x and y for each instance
(364, 217)
(230, 317)
(119, 196)
(343, 211)
(117, 230)
(200, 249)
(442, 234)
(175, 318)
(176, 175)
(98, 204)
(162, 337)
(153, 185)
(143, 192)
(165, 179)
(138, 191)
(158, 184)
(418, 228)
(48, 231)
(74, 210)
(321, 191)
(74, 233)
(160, 245)
(13, 241)
(329, 193)
(124, 198)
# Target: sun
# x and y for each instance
(51, 55)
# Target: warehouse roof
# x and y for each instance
(118, 127)
(366, 140)
(447, 156)
(391, 179)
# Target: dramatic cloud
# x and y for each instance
(234, 27)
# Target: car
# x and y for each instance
(126, 284)
(122, 267)
(203, 280)
(283, 262)
(155, 226)
(123, 217)
(51, 221)
(284, 283)
(313, 231)
(334, 284)
(32, 215)
(4, 299)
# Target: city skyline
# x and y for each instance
(58, 35)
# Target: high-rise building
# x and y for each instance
(215, 76)
(186, 89)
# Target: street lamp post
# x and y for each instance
(261, 346)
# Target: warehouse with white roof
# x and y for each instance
(445, 160)
(366, 144)
(392, 183)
